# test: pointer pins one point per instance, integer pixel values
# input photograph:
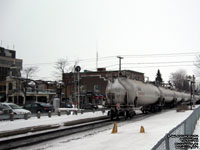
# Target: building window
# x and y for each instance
(97, 88)
(137, 78)
(10, 86)
(83, 88)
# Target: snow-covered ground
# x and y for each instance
(45, 120)
(197, 132)
(128, 136)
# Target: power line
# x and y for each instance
(127, 67)
(162, 66)
(163, 55)
(144, 55)
(126, 56)
(148, 63)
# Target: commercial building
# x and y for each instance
(22, 90)
(8, 61)
(92, 84)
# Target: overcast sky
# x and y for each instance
(43, 31)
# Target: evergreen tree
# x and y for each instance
(159, 79)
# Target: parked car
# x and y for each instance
(88, 106)
(17, 110)
(4, 110)
(35, 107)
(69, 105)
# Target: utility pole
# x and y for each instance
(78, 90)
(193, 88)
(119, 65)
(78, 69)
(74, 85)
(191, 79)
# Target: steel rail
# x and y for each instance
(30, 138)
(44, 133)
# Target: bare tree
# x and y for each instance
(197, 64)
(179, 80)
(72, 68)
(29, 72)
(61, 67)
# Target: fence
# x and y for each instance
(181, 137)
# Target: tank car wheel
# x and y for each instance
(143, 111)
(126, 114)
(112, 114)
(153, 109)
(132, 114)
(117, 117)
(108, 114)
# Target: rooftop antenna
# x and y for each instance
(119, 64)
(97, 59)
(13, 46)
(1, 42)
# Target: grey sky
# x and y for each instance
(45, 30)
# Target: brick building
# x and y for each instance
(8, 61)
(92, 84)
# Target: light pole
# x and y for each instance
(119, 65)
(78, 69)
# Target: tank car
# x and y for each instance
(167, 96)
(186, 97)
(197, 99)
(178, 96)
(123, 94)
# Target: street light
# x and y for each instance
(78, 69)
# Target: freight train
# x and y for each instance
(124, 95)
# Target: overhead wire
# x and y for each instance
(163, 55)
(149, 63)
(126, 56)
(128, 67)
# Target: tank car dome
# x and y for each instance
(115, 93)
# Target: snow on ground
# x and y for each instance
(128, 136)
(45, 120)
(197, 131)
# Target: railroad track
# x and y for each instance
(38, 134)
(33, 135)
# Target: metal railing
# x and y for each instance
(181, 135)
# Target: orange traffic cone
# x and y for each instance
(142, 129)
(114, 128)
